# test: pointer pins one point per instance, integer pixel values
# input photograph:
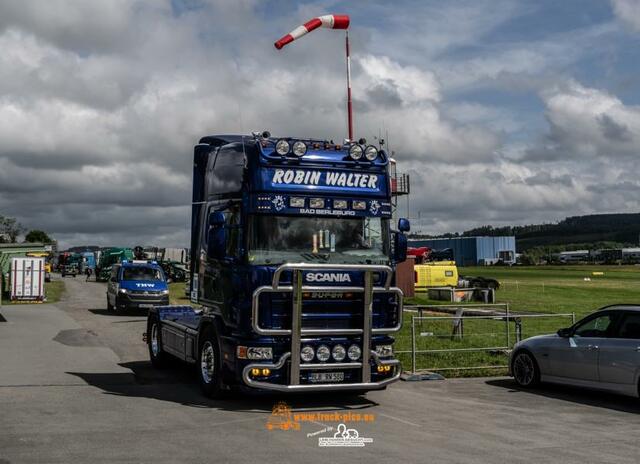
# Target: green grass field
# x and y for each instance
(176, 294)
(542, 289)
(54, 290)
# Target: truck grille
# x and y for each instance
(333, 313)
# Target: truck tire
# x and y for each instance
(158, 357)
(209, 364)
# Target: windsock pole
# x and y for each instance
(349, 107)
(329, 22)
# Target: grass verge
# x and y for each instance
(541, 289)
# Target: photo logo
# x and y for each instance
(281, 418)
(344, 437)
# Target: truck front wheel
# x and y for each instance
(154, 340)
(209, 365)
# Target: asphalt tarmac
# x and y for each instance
(76, 386)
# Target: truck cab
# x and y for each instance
(136, 285)
(292, 268)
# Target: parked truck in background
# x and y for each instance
(292, 262)
(107, 258)
(8, 251)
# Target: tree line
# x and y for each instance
(11, 229)
(575, 232)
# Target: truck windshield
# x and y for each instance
(281, 239)
(141, 273)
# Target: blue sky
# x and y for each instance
(502, 111)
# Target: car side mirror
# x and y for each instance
(564, 333)
(404, 225)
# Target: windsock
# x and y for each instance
(329, 21)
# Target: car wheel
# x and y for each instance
(209, 364)
(525, 369)
(154, 341)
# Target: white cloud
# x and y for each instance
(102, 101)
(628, 11)
(588, 123)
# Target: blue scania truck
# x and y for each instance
(292, 268)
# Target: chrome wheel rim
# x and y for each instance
(523, 369)
(155, 343)
(207, 362)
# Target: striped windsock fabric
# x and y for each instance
(328, 21)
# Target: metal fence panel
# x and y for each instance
(459, 342)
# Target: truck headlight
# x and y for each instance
(254, 352)
(282, 147)
(384, 350)
(299, 149)
(323, 353)
(371, 152)
(259, 352)
(338, 353)
(354, 352)
(355, 152)
(307, 353)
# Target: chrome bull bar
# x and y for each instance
(296, 332)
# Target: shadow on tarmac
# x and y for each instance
(129, 312)
(178, 384)
(575, 395)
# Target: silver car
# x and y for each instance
(601, 351)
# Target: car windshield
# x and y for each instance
(141, 273)
(280, 239)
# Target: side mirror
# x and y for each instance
(216, 219)
(404, 225)
(216, 236)
(564, 333)
(400, 247)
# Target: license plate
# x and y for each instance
(145, 306)
(326, 377)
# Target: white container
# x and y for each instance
(27, 278)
